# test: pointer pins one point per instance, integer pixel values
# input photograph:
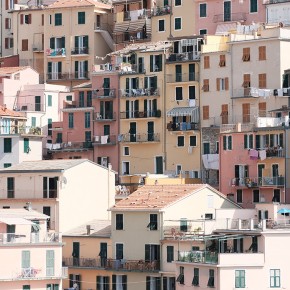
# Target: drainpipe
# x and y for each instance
(164, 113)
(1, 32)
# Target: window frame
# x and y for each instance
(193, 140)
(175, 26)
(58, 19)
(180, 141)
(81, 17)
(239, 196)
(250, 8)
(119, 219)
(276, 278)
(153, 222)
(169, 253)
(7, 148)
(240, 279)
(204, 5)
(161, 21)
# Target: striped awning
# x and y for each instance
(185, 111)
(223, 29)
(132, 26)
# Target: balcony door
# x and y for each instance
(152, 252)
(159, 165)
(132, 132)
(150, 131)
(106, 86)
(227, 11)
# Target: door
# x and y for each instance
(76, 253)
(37, 103)
(227, 11)
(46, 210)
(103, 253)
(260, 173)
(132, 132)
(178, 73)
(106, 86)
(275, 174)
(150, 131)
(159, 165)
(191, 69)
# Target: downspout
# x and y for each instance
(164, 113)
(1, 7)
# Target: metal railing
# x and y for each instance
(204, 257)
(183, 126)
(181, 77)
(56, 52)
(140, 137)
(239, 16)
(158, 11)
(184, 56)
(104, 93)
(132, 265)
(105, 140)
(140, 92)
(76, 104)
(37, 107)
(131, 36)
(140, 114)
(84, 262)
(80, 50)
(259, 181)
(69, 146)
(67, 76)
(20, 129)
(104, 116)
(274, 1)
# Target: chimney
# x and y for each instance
(89, 230)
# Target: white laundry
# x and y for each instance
(134, 15)
(261, 93)
(262, 154)
(189, 149)
(48, 146)
(104, 139)
(191, 103)
(205, 161)
(280, 92)
(267, 93)
(213, 161)
(254, 92)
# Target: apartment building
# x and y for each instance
(55, 187)
(31, 257)
(277, 12)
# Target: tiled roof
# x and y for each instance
(44, 165)
(78, 3)
(99, 228)
(22, 213)
(158, 196)
(11, 70)
(9, 113)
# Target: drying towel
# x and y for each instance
(254, 154)
(262, 154)
(104, 139)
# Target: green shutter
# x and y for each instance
(63, 42)
(52, 43)
(33, 121)
(7, 145)
(26, 145)
(114, 286)
(49, 101)
(50, 263)
(245, 141)
(49, 67)
(76, 41)
(151, 63)
(59, 65)
(230, 142)
(25, 259)
(160, 62)
(225, 142)
(86, 41)
(49, 287)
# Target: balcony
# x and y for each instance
(185, 56)
(132, 265)
(140, 92)
(204, 257)
(134, 15)
(105, 116)
(69, 146)
(79, 50)
(32, 107)
(160, 11)
(104, 93)
(140, 114)
(76, 105)
(239, 127)
(84, 262)
(105, 140)
(182, 126)
(58, 52)
(131, 37)
(132, 69)
(22, 130)
(178, 78)
(34, 238)
(140, 138)
(240, 16)
(59, 76)
(265, 181)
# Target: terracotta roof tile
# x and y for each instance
(78, 3)
(157, 196)
(11, 70)
(9, 113)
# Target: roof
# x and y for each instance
(157, 197)
(44, 165)
(83, 85)
(9, 113)
(18, 213)
(11, 70)
(99, 228)
(78, 3)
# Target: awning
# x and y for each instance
(121, 27)
(185, 111)
(223, 29)
(15, 221)
(132, 26)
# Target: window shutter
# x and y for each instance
(230, 142)
(127, 85)
(49, 67)
(25, 259)
(225, 142)
(7, 5)
(227, 84)
(29, 19)
(154, 104)
(98, 282)
(76, 41)
(218, 84)
(63, 42)
(6, 42)
(21, 18)
(245, 141)
(136, 105)
(86, 41)
(164, 283)
(124, 282)
(52, 43)
(137, 83)
(160, 62)
(59, 67)
(158, 283)
(76, 68)
(147, 252)
(26, 145)
(154, 82)
(146, 83)
(42, 19)
(145, 106)
(127, 109)
(251, 141)
(71, 278)
(147, 283)
(114, 286)
(151, 63)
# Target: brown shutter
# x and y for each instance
(24, 44)
(262, 81)
(21, 18)
(262, 109)
(226, 84)
(7, 5)
(6, 23)
(205, 112)
(6, 42)
(29, 18)
(206, 62)
(42, 19)
(15, 1)
(218, 84)
(246, 113)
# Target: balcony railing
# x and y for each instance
(70, 146)
(132, 36)
(132, 69)
(140, 138)
(136, 14)
(132, 265)
(84, 262)
(75, 104)
(259, 181)
(182, 126)
(185, 56)
(239, 16)
(67, 76)
(140, 92)
(20, 129)
(38, 107)
(186, 77)
(105, 140)
(140, 114)
(105, 116)
(17, 238)
(204, 257)
(80, 50)
(274, 1)
(104, 93)
(56, 52)
(159, 11)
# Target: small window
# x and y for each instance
(248, 141)
(275, 278)
(239, 196)
(191, 92)
(206, 148)
(81, 17)
(208, 216)
(153, 223)
(161, 25)
(10, 187)
(178, 93)
(126, 151)
(240, 279)
(70, 120)
(170, 254)
(180, 141)
(177, 3)
(68, 98)
(253, 6)
(7, 145)
(202, 31)
(6, 165)
(58, 19)
(256, 195)
(177, 23)
(183, 225)
(262, 81)
(192, 141)
(49, 100)
(119, 221)
(227, 142)
(202, 10)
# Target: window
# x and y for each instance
(180, 141)
(253, 6)
(87, 119)
(7, 145)
(246, 54)
(208, 216)
(153, 283)
(126, 151)
(7, 23)
(195, 280)
(192, 141)
(75, 279)
(25, 18)
(227, 142)
(81, 17)
(274, 278)
(8, 43)
(103, 282)
(206, 61)
(82, 45)
(52, 287)
(125, 167)
(59, 137)
(177, 23)
(10, 187)
(183, 225)
(239, 196)
(6, 165)
(205, 112)
(180, 277)
(256, 195)
(178, 93)
(177, 3)
(49, 100)
(191, 92)
(169, 283)
(153, 223)
(155, 66)
(68, 98)
(33, 122)
(26, 287)
(170, 254)
(202, 10)
(222, 84)
(262, 109)
(210, 282)
(276, 196)
(248, 141)
(202, 31)
(240, 279)
(49, 127)
(26, 148)
(119, 282)
(262, 52)
(25, 261)
(70, 120)
(262, 81)
(24, 45)
(161, 25)
(81, 69)
(222, 60)
(205, 86)
(57, 19)
(50, 187)
(246, 112)
(119, 251)
(119, 221)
